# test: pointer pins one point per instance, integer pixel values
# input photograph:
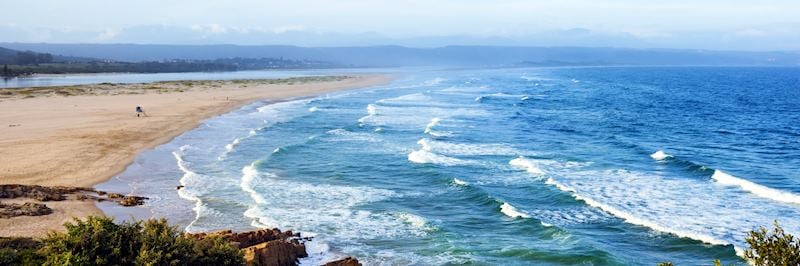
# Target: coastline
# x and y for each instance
(86, 138)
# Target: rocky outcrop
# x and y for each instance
(275, 252)
(40, 193)
(349, 261)
(266, 246)
(55, 193)
(26, 209)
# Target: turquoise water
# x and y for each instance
(562, 166)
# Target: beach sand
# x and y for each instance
(85, 138)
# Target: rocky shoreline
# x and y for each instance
(259, 247)
(271, 247)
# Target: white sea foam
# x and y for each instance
(313, 109)
(671, 204)
(415, 117)
(573, 215)
(188, 180)
(529, 165)
(434, 121)
(426, 157)
(372, 111)
(249, 174)
(459, 182)
(758, 190)
(415, 221)
(460, 149)
(331, 211)
(660, 155)
(413, 98)
(345, 135)
(512, 212)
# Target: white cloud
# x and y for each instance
(287, 28)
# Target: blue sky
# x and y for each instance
(710, 24)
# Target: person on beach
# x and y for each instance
(140, 111)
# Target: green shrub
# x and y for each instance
(772, 248)
(99, 241)
(215, 250)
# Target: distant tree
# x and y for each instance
(5, 71)
(32, 58)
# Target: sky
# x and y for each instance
(700, 24)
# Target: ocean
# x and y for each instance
(512, 166)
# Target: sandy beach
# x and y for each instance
(84, 135)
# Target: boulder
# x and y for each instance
(275, 252)
(128, 201)
(265, 246)
(349, 261)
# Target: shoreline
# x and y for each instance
(83, 140)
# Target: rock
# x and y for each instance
(114, 196)
(40, 193)
(349, 261)
(265, 246)
(275, 252)
(246, 239)
(128, 201)
(25, 209)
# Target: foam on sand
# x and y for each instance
(660, 155)
(188, 181)
(512, 212)
(759, 190)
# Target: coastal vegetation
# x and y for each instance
(768, 248)
(100, 241)
(22, 63)
(772, 247)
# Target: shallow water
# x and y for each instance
(82, 79)
(500, 166)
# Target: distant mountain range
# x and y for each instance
(391, 56)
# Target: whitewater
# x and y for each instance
(544, 166)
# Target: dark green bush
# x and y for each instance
(774, 247)
(99, 241)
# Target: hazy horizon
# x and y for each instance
(711, 25)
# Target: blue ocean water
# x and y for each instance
(544, 166)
